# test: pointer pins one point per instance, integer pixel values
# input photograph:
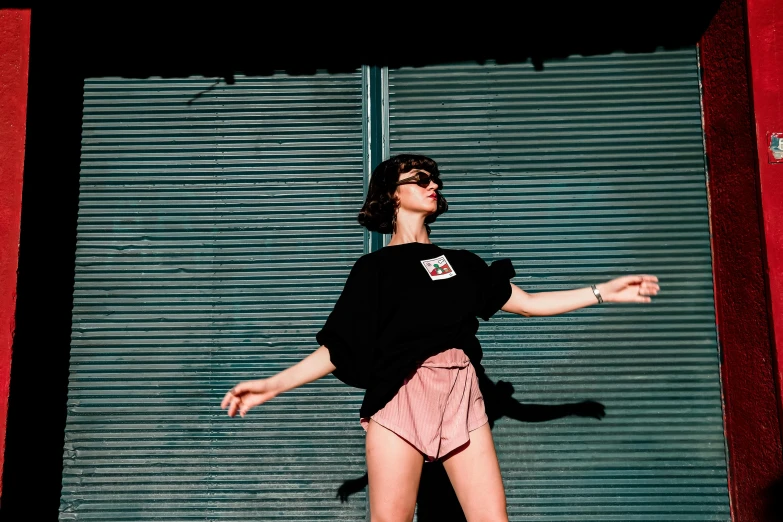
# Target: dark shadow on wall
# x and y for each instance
(436, 499)
(773, 497)
(39, 370)
(125, 40)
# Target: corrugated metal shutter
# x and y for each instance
(590, 169)
(216, 228)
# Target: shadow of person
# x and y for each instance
(499, 403)
(436, 498)
(351, 486)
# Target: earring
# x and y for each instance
(394, 222)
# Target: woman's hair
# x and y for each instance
(380, 207)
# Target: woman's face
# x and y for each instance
(414, 198)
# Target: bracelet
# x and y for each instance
(597, 294)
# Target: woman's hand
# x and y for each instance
(629, 289)
(249, 394)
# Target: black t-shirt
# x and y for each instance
(405, 303)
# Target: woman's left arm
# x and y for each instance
(626, 289)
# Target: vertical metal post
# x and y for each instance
(376, 148)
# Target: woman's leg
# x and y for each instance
(393, 470)
(475, 475)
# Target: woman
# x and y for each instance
(404, 329)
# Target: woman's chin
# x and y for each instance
(426, 209)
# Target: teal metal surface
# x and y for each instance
(590, 169)
(216, 228)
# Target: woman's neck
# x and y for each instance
(410, 229)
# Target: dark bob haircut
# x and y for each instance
(380, 207)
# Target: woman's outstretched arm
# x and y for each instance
(626, 289)
(249, 394)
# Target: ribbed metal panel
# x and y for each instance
(590, 169)
(216, 228)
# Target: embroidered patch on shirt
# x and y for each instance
(438, 268)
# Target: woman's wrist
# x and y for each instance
(277, 383)
(598, 292)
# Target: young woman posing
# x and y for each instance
(404, 329)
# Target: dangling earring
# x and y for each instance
(394, 222)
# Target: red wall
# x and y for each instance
(14, 56)
(752, 426)
(765, 36)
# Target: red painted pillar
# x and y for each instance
(14, 57)
(765, 38)
(751, 414)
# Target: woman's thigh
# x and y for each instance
(475, 475)
(393, 471)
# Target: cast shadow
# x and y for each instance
(773, 501)
(436, 498)
(217, 43)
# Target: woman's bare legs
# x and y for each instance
(393, 471)
(474, 473)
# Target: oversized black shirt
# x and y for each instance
(405, 303)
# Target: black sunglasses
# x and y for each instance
(422, 179)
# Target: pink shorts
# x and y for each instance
(437, 406)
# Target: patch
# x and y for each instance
(438, 268)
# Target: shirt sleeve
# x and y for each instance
(495, 286)
(349, 332)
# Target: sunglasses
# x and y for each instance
(422, 179)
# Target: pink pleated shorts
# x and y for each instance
(437, 407)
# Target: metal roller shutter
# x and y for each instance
(590, 169)
(216, 228)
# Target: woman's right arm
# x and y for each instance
(249, 394)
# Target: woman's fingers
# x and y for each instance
(251, 401)
(232, 399)
(246, 395)
(226, 400)
(640, 279)
(232, 402)
(234, 392)
(638, 288)
(648, 287)
(643, 280)
(234, 405)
